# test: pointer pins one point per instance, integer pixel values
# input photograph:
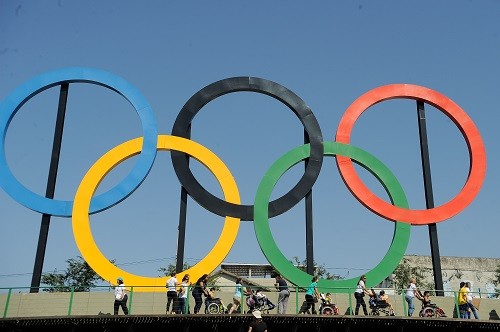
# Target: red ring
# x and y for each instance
(470, 132)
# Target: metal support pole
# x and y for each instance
(181, 237)
(309, 224)
(51, 185)
(429, 199)
(182, 232)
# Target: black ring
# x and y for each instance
(253, 84)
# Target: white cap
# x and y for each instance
(256, 314)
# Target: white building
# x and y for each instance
(480, 272)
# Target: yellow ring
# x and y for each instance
(81, 223)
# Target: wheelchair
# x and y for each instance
(379, 308)
(431, 310)
(216, 306)
(328, 308)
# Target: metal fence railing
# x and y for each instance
(19, 302)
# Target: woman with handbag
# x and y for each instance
(312, 296)
(121, 296)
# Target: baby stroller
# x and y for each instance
(379, 307)
(326, 308)
(258, 301)
(216, 306)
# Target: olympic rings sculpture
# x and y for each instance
(13, 102)
(181, 147)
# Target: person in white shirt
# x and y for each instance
(411, 292)
(171, 293)
(182, 295)
(469, 301)
(359, 294)
(121, 296)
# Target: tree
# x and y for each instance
(79, 276)
(319, 270)
(404, 272)
(496, 281)
(166, 271)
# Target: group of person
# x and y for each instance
(256, 297)
(176, 300)
(464, 298)
(360, 293)
(177, 296)
(465, 304)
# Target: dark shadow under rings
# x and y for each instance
(182, 128)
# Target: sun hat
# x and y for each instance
(256, 314)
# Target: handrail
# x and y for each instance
(298, 289)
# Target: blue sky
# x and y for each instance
(328, 53)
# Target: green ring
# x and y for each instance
(300, 278)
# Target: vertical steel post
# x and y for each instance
(7, 302)
(309, 223)
(181, 236)
(71, 298)
(429, 199)
(51, 185)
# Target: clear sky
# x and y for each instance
(329, 53)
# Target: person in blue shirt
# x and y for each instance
(237, 296)
(312, 295)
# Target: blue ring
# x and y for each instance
(13, 102)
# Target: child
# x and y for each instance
(426, 299)
(208, 299)
(426, 302)
(327, 306)
(263, 299)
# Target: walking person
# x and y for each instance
(121, 296)
(284, 294)
(312, 296)
(182, 295)
(359, 294)
(171, 294)
(236, 296)
(469, 301)
(463, 306)
(200, 289)
(411, 292)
